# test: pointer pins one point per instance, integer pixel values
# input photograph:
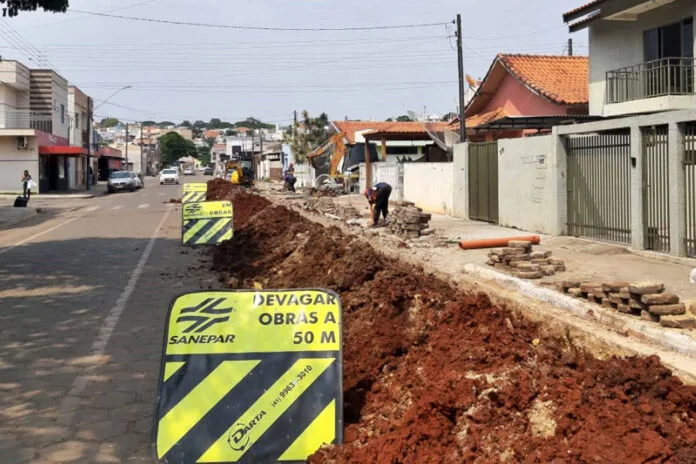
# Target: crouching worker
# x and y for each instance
(378, 197)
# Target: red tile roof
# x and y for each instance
(561, 79)
(350, 128)
(479, 119)
(213, 133)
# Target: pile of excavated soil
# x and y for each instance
(245, 203)
(432, 375)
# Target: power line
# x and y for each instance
(85, 16)
(264, 28)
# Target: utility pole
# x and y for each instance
(90, 106)
(570, 47)
(460, 57)
(127, 135)
(142, 151)
(261, 145)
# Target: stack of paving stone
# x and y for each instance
(328, 205)
(519, 258)
(408, 221)
(646, 300)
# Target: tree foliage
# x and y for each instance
(173, 146)
(203, 155)
(149, 123)
(13, 7)
(166, 124)
(403, 118)
(109, 122)
(306, 135)
(253, 123)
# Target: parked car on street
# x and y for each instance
(169, 176)
(208, 171)
(139, 181)
(189, 171)
(121, 180)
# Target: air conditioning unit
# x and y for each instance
(22, 143)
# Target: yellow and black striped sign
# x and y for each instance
(194, 193)
(250, 377)
(207, 223)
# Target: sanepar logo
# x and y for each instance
(192, 209)
(205, 315)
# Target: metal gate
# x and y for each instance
(599, 186)
(483, 181)
(690, 190)
(656, 188)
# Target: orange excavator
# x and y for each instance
(339, 151)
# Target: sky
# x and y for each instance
(179, 72)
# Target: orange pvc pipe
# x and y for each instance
(496, 242)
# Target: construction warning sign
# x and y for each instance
(250, 376)
(194, 193)
(207, 223)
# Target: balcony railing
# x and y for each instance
(659, 78)
(11, 118)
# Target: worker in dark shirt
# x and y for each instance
(378, 197)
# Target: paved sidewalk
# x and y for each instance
(95, 191)
(585, 259)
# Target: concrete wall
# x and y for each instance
(460, 206)
(430, 186)
(13, 162)
(527, 175)
(617, 44)
(61, 122)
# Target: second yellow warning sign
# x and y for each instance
(207, 223)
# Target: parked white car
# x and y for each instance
(169, 176)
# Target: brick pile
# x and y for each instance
(520, 259)
(646, 300)
(329, 205)
(408, 221)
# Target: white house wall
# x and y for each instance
(15, 162)
(618, 44)
(430, 186)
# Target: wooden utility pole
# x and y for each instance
(460, 57)
(142, 151)
(570, 47)
(368, 166)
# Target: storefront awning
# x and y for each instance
(64, 151)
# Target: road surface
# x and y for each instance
(84, 290)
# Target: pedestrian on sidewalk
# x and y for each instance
(27, 184)
(378, 197)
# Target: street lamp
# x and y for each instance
(113, 95)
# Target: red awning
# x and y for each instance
(66, 151)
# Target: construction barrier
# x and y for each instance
(250, 376)
(194, 193)
(207, 223)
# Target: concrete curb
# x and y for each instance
(49, 196)
(671, 340)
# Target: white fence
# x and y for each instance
(391, 173)
(305, 175)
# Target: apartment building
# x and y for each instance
(44, 129)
